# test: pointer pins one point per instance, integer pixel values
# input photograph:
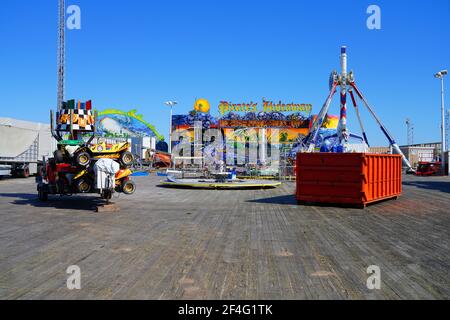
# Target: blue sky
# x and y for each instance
(140, 53)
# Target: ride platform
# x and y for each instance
(214, 184)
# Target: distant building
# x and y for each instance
(415, 153)
(435, 145)
(419, 152)
(380, 150)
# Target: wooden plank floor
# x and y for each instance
(211, 244)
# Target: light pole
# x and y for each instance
(170, 104)
(440, 75)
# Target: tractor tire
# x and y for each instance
(127, 158)
(83, 159)
(83, 186)
(25, 172)
(128, 187)
(42, 195)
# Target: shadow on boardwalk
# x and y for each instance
(442, 186)
(56, 201)
(286, 199)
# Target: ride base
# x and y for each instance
(214, 184)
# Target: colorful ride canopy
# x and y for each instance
(116, 123)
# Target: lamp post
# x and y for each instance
(440, 75)
(170, 104)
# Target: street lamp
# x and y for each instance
(440, 75)
(170, 104)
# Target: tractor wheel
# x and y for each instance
(83, 159)
(83, 186)
(25, 172)
(126, 158)
(42, 195)
(128, 187)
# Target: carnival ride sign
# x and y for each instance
(264, 123)
(267, 106)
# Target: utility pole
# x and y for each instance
(61, 52)
(447, 128)
(440, 75)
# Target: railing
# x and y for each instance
(287, 173)
(29, 155)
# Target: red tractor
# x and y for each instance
(67, 179)
(426, 168)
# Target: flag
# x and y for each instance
(89, 105)
(71, 104)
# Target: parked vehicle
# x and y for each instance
(428, 168)
(67, 179)
(79, 153)
(23, 145)
(80, 166)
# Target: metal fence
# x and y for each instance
(287, 173)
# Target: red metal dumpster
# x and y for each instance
(348, 178)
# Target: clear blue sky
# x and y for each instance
(140, 53)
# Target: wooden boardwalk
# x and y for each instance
(224, 244)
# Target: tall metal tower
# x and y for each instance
(447, 129)
(410, 131)
(61, 51)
